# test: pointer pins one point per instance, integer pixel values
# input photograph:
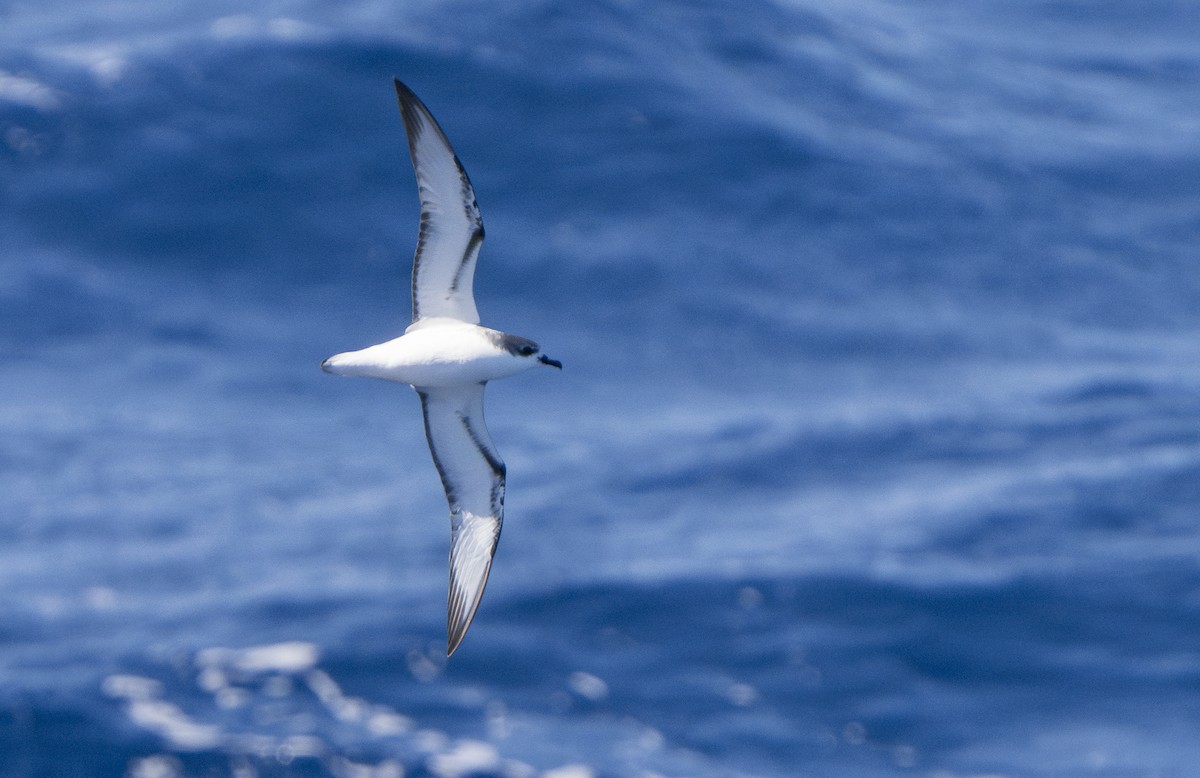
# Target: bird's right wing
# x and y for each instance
(473, 476)
(451, 227)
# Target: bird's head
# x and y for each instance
(527, 349)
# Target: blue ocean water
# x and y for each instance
(877, 450)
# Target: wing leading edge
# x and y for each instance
(451, 230)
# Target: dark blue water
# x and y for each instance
(877, 450)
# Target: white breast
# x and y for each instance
(446, 353)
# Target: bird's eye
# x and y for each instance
(527, 350)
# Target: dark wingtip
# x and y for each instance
(410, 109)
(408, 98)
(456, 624)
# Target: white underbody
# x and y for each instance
(434, 352)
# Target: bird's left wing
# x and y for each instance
(451, 227)
(473, 476)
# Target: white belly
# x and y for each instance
(450, 354)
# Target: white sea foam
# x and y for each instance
(587, 685)
(465, 758)
(27, 91)
(148, 711)
(293, 657)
